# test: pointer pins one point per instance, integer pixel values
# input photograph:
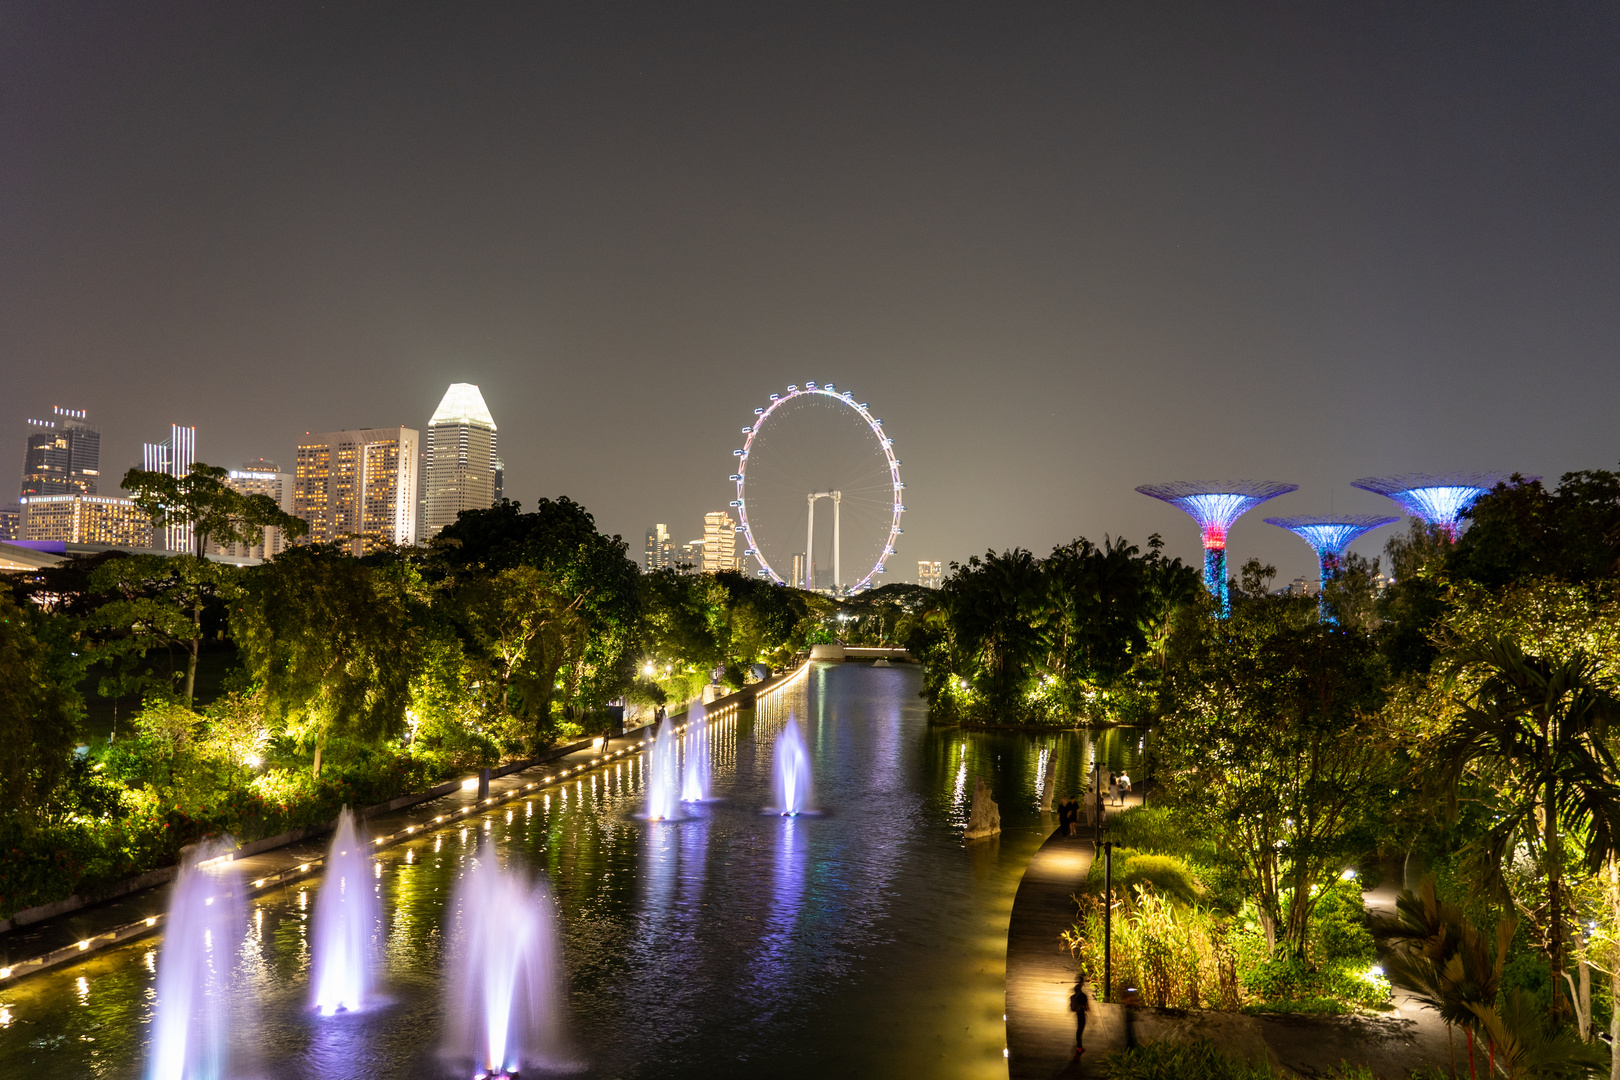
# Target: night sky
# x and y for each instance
(1062, 249)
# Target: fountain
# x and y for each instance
(345, 920)
(190, 1033)
(695, 772)
(792, 772)
(663, 775)
(505, 994)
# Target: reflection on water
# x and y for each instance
(866, 942)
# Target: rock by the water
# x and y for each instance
(985, 818)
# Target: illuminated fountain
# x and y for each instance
(506, 997)
(792, 772)
(695, 771)
(345, 920)
(664, 775)
(190, 1033)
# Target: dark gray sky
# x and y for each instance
(1062, 249)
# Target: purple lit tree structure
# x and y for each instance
(1438, 499)
(1329, 537)
(1215, 506)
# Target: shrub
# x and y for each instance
(1197, 1059)
(1175, 955)
(1167, 875)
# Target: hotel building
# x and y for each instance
(358, 488)
(86, 519)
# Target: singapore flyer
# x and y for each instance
(819, 494)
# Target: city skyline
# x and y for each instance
(1374, 260)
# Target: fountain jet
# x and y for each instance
(664, 775)
(345, 921)
(505, 986)
(695, 771)
(792, 772)
(190, 1033)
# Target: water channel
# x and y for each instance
(866, 941)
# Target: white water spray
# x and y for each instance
(345, 921)
(695, 772)
(190, 1036)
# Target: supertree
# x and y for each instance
(1215, 505)
(1439, 499)
(1329, 537)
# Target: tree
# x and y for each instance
(998, 604)
(38, 719)
(1532, 732)
(1521, 531)
(1274, 747)
(156, 602)
(202, 501)
(332, 640)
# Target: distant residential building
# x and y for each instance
(358, 488)
(86, 519)
(719, 542)
(175, 456)
(798, 580)
(689, 557)
(10, 522)
(929, 574)
(460, 450)
(63, 455)
(259, 477)
(500, 481)
(659, 553)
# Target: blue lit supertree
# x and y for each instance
(1438, 499)
(1215, 505)
(1329, 537)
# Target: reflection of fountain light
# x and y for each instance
(345, 918)
(695, 774)
(505, 998)
(190, 1040)
(792, 771)
(663, 775)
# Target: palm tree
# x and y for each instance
(1531, 1046)
(1536, 729)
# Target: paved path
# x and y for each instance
(1040, 976)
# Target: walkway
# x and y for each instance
(1040, 976)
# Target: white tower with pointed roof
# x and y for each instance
(461, 458)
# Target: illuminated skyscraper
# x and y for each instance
(719, 542)
(358, 488)
(63, 456)
(460, 473)
(259, 477)
(929, 574)
(175, 456)
(689, 557)
(1439, 500)
(660, 551)
(86, 519)
(1215, 506)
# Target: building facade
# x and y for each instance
(174, 456)
(719, 542)
(86, 519)
(929, 574)
(358, 488)
(259, 477)
(63, 455)
(659, 553)
(460, 469)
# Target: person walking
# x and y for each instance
(1113, 791)
(1079, 1004)
(1065, 817)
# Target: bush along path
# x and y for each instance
(1393, 1041)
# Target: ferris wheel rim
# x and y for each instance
(885, 443)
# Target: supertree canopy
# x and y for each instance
(1439, 499)
(1215, 505)
(1329, 537)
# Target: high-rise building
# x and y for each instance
(719, 542)
(500, 480)
(660, 550)
(460, 470)
(10, 522)
(689, 557)
(63, 456)
(86, 519)
(929, 574)
(259, 477)
(175, 456)
(358, 488)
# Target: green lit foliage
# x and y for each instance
(157, 602)
(332, 642)
(38, 717)
(1275, 747)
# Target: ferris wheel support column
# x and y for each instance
(810, 545)
(838, 576)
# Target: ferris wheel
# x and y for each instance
(816, 445)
